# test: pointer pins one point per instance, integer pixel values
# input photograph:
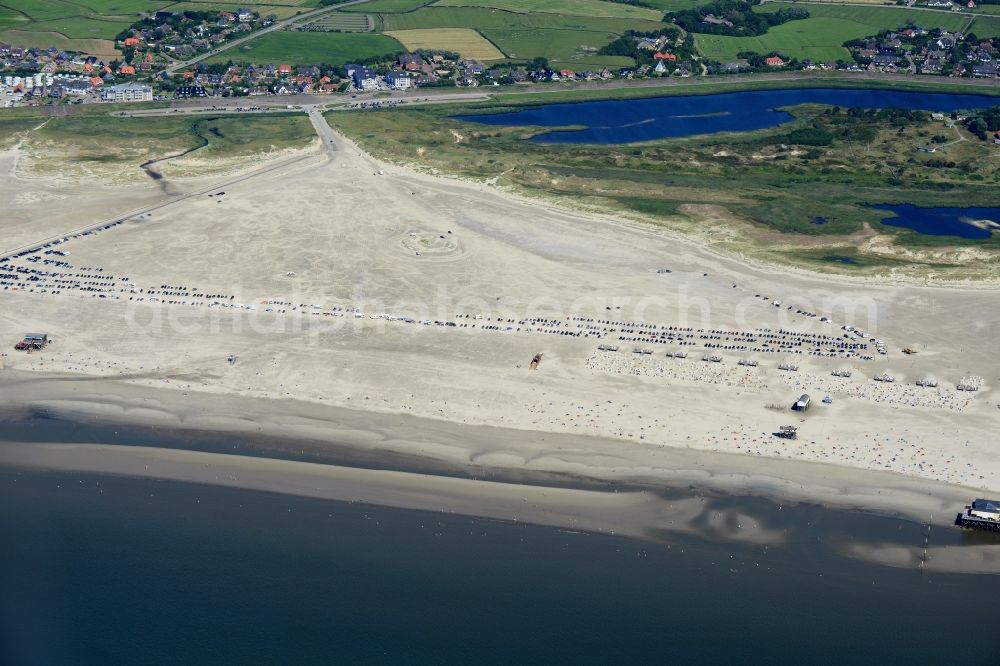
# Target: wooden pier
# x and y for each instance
(982, 514)
(965, 521)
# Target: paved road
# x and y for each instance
(279, 25)
(322, 128)
(292, 103)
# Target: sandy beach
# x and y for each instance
(341, 299)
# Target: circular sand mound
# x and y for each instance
(429, 245)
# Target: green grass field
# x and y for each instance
(814, 38)
(388, 6)
(69, 25)
(570, 7)
(308, 48)
(820, 37)
(674, 5)
(874, 18)
(986, 26)
(279, 10)
(10, 18)
(120, 7)
(493, 19)
(342, 21)
(79, 27)
(565, 49)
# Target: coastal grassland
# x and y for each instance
(97, 144)
(480, 18)
(464, 41)
(842, 259)
(13, 128)
(572, 7)
(759, 189)
(309, 48)
(563, 48)
(712, 85)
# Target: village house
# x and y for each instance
(398, 80)
(127, 92)
(711, 19)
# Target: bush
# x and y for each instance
(809, 136)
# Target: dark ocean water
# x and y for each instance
(647, 119)
(104, 570)
(940, 221)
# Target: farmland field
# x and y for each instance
(78, 27)
(116, 7)
(986, 26)
(674, 5)
(308, 48)
(388, 6)
(83, 28)
(43, 10)
(99, 47)
(255, 5)
(874, 19)
(814, 38)
(279, 10)
(821, 36)
(571, 7)
(342, 21)
(468, 43)
(565, 49)
(10, 18)
(485, 19)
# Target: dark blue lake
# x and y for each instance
(940, 221)
(108, 570)
(629, 121)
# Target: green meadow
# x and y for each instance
(307, 48)
(821, 36)
(564, 49)
(479, 18)
(570, 7)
